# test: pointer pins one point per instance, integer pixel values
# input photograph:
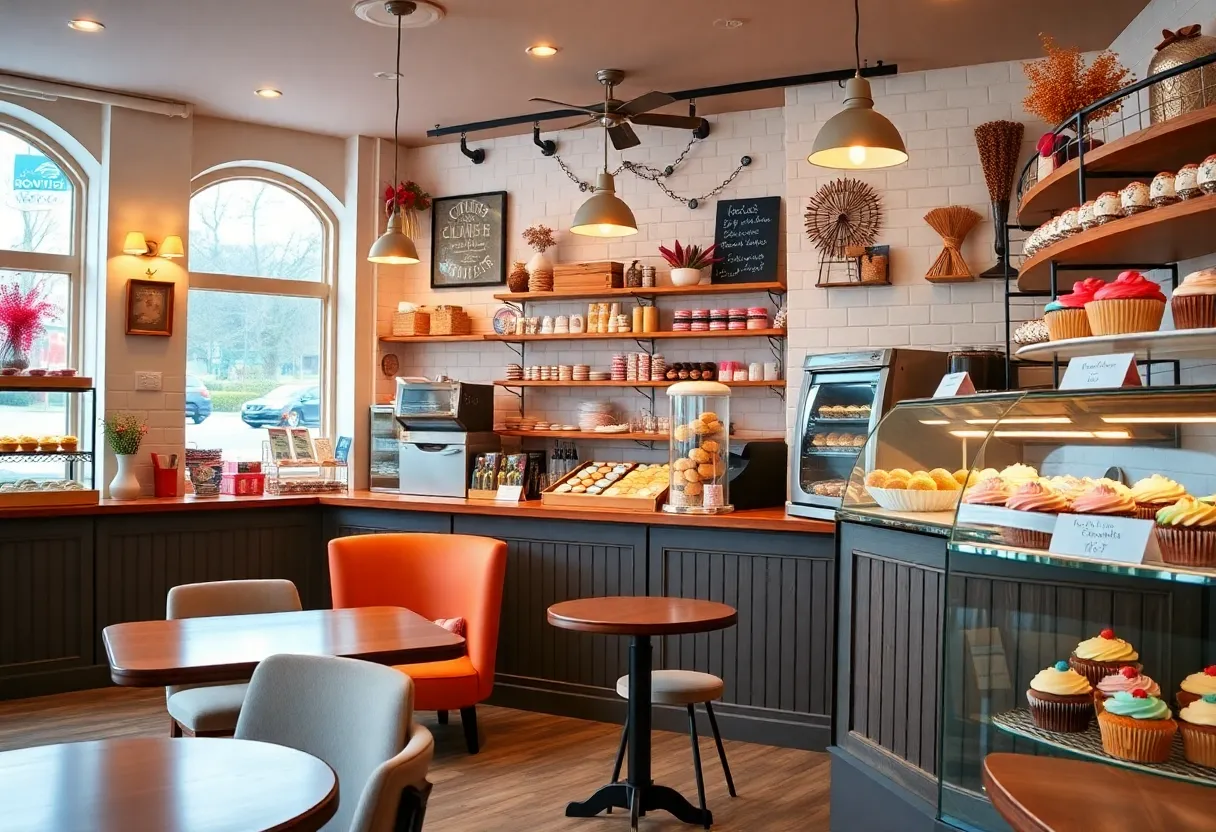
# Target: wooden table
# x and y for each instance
(640, 618)
(189, 650)
(167, 785)
(1050, 794)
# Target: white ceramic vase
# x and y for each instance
(125, 485)
(685, 277)
(540, 261)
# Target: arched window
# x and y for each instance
(259, 315)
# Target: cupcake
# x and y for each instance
(1207, 175)
(27, 442)
(1186, 183)
(1197, 722)
(8, 444)
(1135, 198)
(993, 491)
(1070, 486)
(1197, 686)
(48, 444)
(1108, 499)
(1037, 497)
(1155, 493)
(69, 443)
(1085, 215)
(1017, 474)
(1161, 192)
(1107, 207)
(1194, 301)
(1066, 317)
(1061, 699)
(1100, 656)
(1133, 303)
(1127, 679)
(1137, 727)
(1186, 533)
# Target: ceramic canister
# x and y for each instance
(1207, 175)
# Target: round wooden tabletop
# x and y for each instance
(641, 615)
(1049, 794)
(170, 785)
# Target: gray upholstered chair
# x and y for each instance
(211, 710)
(359, 718)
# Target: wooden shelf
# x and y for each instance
(652, 292)
(634, 437)
(430, 339)
(1166, 344)
(1165, 146)
(664, 383)
(643, 336)
(1163, 235)
(50, 384)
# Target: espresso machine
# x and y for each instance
(444, 426)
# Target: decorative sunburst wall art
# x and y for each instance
(843, 214)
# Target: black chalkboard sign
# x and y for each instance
(746, 233)
(468, 240)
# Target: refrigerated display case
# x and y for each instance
(384, 456)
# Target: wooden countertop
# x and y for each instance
(763, 519)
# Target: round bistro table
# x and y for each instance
(1050, 794)
(160, 784)
(640, 618)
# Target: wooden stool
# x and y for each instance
(688, 688)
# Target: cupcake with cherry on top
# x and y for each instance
(1060, 699)
(1127, 679)
(1098, 657)
(1066, 316)
(1197, 722)
(1196, 686)
(1035, 496)
(1137, 727)
(1155, 493)
(1133, 303)
(1186, 533)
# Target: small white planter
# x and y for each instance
(685, 277)
(125, 485)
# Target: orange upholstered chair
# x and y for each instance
(436, 576)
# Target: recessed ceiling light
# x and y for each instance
(542, 50)
(727, 23)
(83, 24)
(268, 92)
(387, 76)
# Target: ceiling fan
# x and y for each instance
(617, 115)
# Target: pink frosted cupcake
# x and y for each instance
(1033, 496)
(993, 491)
(1107, 499)
(1127, 679)
(1133, 303)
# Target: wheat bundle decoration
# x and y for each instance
(1000, 145)
(953, 223)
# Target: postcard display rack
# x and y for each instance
(37, 469)
(295, 463)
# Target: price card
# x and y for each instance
(955, 384)
(509, 493)
(1123, 539)
(1099, 372)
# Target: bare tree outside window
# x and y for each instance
(36, 199)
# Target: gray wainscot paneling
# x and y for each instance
(46, 607)
(777, 661)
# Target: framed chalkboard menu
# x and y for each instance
(746, 233)
(469, 240)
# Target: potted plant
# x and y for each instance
(409, 199)
(23, 317)
(124, 432)
(687, 262)
(540, 239)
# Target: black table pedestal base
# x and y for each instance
(639, 800)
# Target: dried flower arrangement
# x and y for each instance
(124, 432)
(408, 196)
(1061, 83)
(23, 317)
(539, 238)
(689, 257)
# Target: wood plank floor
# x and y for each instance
(530, 766)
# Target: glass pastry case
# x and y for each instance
(1077, 607)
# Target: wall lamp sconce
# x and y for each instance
(140, 246)
(476, 156)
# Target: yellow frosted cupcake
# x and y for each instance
(1098, 657)
(1154, 493)
(1197, 722)
(1186, 533)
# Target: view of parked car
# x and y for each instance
(293, 405)
(198, 400)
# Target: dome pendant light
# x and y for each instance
(858, 137)
(605, 214)
(395, 246)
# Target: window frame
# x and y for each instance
(323, 289)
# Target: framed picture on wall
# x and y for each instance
(469, 240)
(149, 307)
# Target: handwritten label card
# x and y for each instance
(509, 493)
(1099, 372)
(955, 384)
(1122, 539)
(747, 233)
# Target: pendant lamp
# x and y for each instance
(858, 137)
(395, 246)
(605, 214)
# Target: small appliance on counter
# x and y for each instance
(445, 426)
(756, 470)
(843, 397)
(384, 459)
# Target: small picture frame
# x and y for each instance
(149, 307)
(301, 445)
(342, 450)
(280, 444)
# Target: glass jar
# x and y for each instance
(699, 446)
(985, 365)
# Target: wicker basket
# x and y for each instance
(450, 320)
(874, 269)
(411, 323)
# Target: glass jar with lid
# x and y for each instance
(699, 448)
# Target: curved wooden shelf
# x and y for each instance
(1163, 235)
(607, 437)
(1166, 344)
(1165, 146)
(643, 336)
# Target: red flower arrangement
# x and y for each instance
(407, 196)
(689, 257)
(24, 315)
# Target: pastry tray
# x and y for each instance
(550, 497)
(34, 499)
